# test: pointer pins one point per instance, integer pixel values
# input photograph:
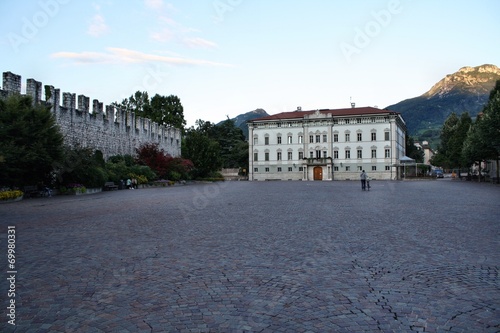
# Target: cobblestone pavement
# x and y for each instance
(412, 256)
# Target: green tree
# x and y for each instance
(202, 150)
(165, 110)
(483, 138)
(453, 135)
(232, 144)
(413, 151)
(30, 142)
(456, 141)
(137, 103)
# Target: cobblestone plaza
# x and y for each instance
(407, 256)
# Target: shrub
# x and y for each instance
(175, 176)
(10, 194)
(72, 188)
(82, 166)
(140, 178)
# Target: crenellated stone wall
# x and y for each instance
(106, 128)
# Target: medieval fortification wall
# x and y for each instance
(110, 130)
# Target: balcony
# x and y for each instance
(318, 161)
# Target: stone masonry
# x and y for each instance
(111, 130)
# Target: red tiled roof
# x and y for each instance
(335, 112)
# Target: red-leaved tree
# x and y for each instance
(164, 165)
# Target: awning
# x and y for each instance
(406, 160)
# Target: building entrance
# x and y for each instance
(318, 173)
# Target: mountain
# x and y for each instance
(466, 90)
(241, 120)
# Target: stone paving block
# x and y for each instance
(260, 257)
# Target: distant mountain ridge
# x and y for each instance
(241, 120)
(474, 80)
(466, 90)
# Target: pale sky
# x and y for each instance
(227, 57)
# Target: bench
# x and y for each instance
(30, 191)
(110, 186)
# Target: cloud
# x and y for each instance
(120, 55)
(199, 42)
(163, 35)
(171, 30)
(154, 4)
(97, 26)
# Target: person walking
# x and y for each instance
(363, 176)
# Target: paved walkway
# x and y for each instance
(420, 256)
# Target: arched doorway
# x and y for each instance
(318, 173)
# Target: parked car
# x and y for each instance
(439, 174)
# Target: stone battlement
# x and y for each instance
(107, 128)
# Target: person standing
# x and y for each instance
(363, 176)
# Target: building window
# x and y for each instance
(279, 140)
(311, 154)
(324, 138)
(279, 156)
(311, 138)
(255, 156)
(289, 139)
(360, 137)
(289, 169)
(318, 138)
(374, 168)
(301, 155)
(335, 138)
(360, 168)
(255, 141)
(324, 153)
(266, 140)
(335, 154)
(358, 120)
(347, 137)
(347, 154)
(289, 155)
(386, 136)
(335, 168)
(374, 153)
(301, 139)
(267, 169)
(347, 121)
(301, 168)
(279, 169)
(347, 168)
(387, 153)
(266, 156)
(360, 153)
(318, 153)
(255, 169)
(387, 168)
(374, 136)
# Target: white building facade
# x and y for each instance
(326, 144)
